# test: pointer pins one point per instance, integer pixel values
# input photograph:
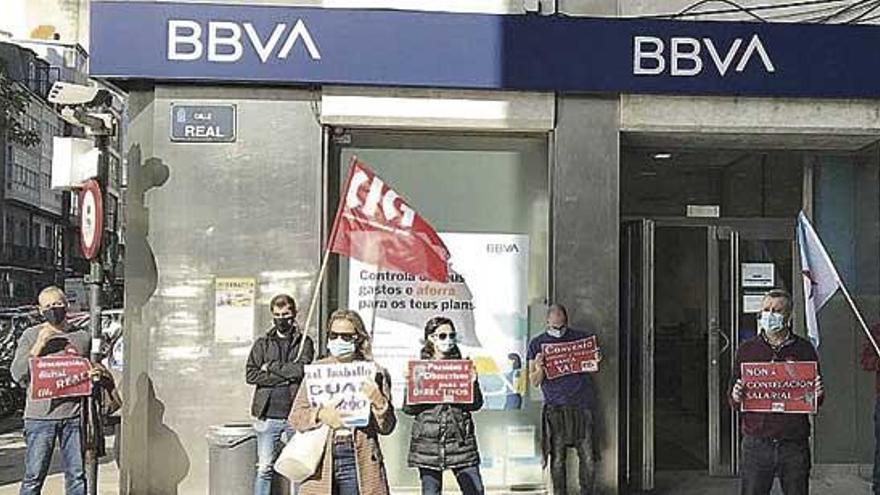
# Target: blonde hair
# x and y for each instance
(49, 292)
(365, 347)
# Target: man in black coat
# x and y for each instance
(277, 373)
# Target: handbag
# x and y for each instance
(299, 459)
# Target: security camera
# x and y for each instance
(64, 93)
(94, 123)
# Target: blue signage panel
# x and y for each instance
(290, 45)
(203, 123)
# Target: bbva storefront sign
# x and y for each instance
(291, 45)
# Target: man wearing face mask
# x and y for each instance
(273, 368)
(46, 420)
(774, 444)
(569, 402)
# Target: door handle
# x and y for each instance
(726, 345)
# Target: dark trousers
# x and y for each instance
(469, 481)
(877, 447)
(559, 446)
(764, 459)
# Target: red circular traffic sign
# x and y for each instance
(91, 219)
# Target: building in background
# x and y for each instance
(40, 225)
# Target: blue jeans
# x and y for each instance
(40, 435)
(271, 435)
(877, 446)
(469, 481)
(345, 480)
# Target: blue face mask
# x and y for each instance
(339, 347)
(771, 322)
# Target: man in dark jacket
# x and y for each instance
(871, 362)
(277, 373)
(774, 444)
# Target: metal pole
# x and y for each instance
(95, 282)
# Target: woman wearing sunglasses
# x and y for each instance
(352, 462)
(443, 435)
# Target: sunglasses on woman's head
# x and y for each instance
(348, 337)
(444, 336)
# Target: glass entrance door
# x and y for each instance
(689, 293)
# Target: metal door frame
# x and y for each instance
(718, 231)
(638, 367)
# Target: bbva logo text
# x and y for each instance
(225, 41)
(685, 58)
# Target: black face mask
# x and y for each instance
(55, 315)
(285, 324)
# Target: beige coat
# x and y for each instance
(372, 478)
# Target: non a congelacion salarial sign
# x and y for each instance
(340, 385)
(444, 381)
(203, 123)
(780, 387)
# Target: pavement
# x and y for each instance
(699, 483)
(825, 481)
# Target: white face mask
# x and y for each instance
(556, 332)
(771, 322)
(339, 347)
(444, 346)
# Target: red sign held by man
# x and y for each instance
(567, 358)
(375, 225)
(446, 381)
(60, 376)
(779, 387)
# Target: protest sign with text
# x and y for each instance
(60, 376)
(779, 387)
(444, 381)
(567, 358)
(340, 385)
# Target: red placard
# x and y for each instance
(60, 376)
(779, 387)
(443, 381)
(568, 358)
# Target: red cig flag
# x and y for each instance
(377, 226)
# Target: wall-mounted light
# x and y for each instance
(662, 156)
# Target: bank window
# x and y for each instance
(487, 196)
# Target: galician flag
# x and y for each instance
(821, 279)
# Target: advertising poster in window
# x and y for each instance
(234, 303)
(486, 298)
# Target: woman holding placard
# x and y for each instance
(443, 434)
(352, 463)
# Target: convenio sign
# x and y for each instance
(225, 42)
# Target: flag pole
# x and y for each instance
(314, 304)
(862, 323)
(324, 262)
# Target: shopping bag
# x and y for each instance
(300, 457)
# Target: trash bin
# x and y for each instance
(232, 458)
